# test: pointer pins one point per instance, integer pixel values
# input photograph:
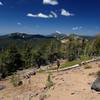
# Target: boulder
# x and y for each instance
(96, 85)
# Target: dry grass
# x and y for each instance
(87, 66)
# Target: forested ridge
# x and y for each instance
(20, 51)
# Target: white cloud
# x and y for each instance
(40, 15)
(1, 4)
(77, 28)
(19, 23)
(66, 13)
(54, 14)
(50, 2)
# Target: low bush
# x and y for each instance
(15, 80)
(42, 96)
(49, 81)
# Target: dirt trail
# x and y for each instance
(74, 84)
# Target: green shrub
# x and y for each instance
(49, 81)
(15, 80)
(42, 96)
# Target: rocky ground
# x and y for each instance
(73, 84)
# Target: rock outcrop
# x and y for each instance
(96, 84)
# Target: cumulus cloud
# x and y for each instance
(1, 4)
(77, 28)
(40, 15)
(54, 14)
(66, 13)
(50, 2)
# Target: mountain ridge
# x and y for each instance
(18, 35)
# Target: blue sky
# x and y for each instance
(48, 16)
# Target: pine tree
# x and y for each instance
(28, 55)
(13, 59)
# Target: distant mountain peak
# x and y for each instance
(58, 35)
(58, 32)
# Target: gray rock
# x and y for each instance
(2, 87)
(96, 84)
